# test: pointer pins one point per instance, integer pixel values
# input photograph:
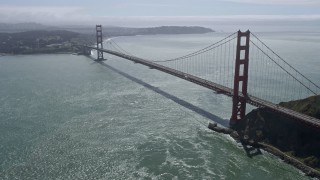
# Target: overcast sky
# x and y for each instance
(219, 14)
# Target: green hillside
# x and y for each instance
(309, 106)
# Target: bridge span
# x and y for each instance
(255, 101)
(274, 79)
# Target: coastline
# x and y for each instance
(106, 39)
(307, 170)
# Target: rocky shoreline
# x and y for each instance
(245, 141)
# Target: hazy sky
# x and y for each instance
(222, 14)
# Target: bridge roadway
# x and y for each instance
(218, 88)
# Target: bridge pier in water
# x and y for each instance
(99, 42)
(240, 78)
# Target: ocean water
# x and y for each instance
(68, 117)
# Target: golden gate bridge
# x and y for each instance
(240, 66)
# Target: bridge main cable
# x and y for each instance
(255, 101)
(243, 97)
(203, 50)
(314, 84)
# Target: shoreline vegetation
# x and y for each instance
(40, 42)
(65, 41)
(293, 142)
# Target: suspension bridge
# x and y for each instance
(224, 67)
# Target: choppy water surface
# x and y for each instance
(67, 117)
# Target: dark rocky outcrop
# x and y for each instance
(292, 141)
(292, 137)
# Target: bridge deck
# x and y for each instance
(219, 88)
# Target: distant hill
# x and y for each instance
(107, 30)
(30, 38)
(122, 31)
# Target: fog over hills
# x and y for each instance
(108, 30)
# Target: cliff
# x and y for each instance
(288, 135)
